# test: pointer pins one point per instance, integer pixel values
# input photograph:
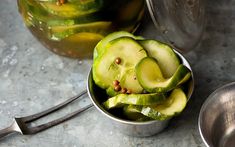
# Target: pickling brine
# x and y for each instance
(72, 28)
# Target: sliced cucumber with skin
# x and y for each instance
(61, 32)
(100, 47)
(172, 106)
(94, 17)
(105, 70)
(133, 114)
(30, 11)
(68, 10)
(134, 99)
(39, 13)
(151, 79)
(164, 54)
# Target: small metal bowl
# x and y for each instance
(217, 118)
(133, 128)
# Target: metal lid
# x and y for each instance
(180, 21)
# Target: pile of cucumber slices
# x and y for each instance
(145, 78)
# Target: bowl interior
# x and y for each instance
(217, 118)
(98, 95)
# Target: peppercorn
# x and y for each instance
(123, 90)
(62, 1)
(128, 91)
(118, 60)
(117, 88)
(116, 82)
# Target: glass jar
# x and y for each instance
(72, 28)
(181, 22)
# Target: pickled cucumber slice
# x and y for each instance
(60, 32)
(85, 43)
(172, 106)
(75, 9)
(134, 99)
(165, 56)
(94, 17)
(100, 47)
(27, 9)
(151, 79)
(36, 11)
(106, 70)
(133, 114)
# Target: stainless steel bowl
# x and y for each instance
(128, 127)
(217, 118)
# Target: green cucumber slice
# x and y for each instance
(151, 79)
(75, 9)
(100, 47)
(61, 32)
(31, 10)
(38, 12)
(163, 53)
(133, 114)
(134, 99)
(172, 106)
(105, 70)
(76, 20)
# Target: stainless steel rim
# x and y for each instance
(208, 100)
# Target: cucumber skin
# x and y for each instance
(133, 114)
(152, 112)
(155, 48)
(175, 80)
(134, 99)
(65, 31)
(100, 47)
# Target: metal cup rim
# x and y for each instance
(203, 108)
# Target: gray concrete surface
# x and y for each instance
(32, 79)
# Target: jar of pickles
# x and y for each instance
(72, 28)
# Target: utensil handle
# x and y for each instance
(11, 129)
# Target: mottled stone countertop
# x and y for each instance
(32, 79)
